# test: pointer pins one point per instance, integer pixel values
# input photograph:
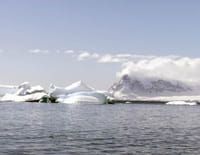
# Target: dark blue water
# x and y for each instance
(33, 128)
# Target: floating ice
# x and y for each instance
(22, 93)
(7, 89)
(75, 87)
(23, 98)
(181, 103)
(78, 92)
(83, 97)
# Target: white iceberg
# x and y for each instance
(4, 89)
(78, 92)
(83, 97)
(79, 86)
(35, 97)
(181, 103)
(23, 93)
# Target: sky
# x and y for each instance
(62, 41)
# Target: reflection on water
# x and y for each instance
(30, 128)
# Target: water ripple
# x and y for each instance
(29, 128)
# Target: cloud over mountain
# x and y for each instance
(143, 66)
(182, 68)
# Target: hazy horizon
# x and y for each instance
(64, 41)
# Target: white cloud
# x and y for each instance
(144, 66)
(83, 56)
(122, 58)
(107, 58)
(69, 52)
(111, 58)
(95, 55)
(177, 68)
(148, 66)
(37, 51)
(86, 55)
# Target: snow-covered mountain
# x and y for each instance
(132, 87)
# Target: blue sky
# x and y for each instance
(141, 27)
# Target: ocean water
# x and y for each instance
(36, 128)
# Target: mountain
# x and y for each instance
(132, 87)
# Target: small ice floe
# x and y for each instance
(181, 103)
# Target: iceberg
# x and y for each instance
(4, 89)
(35, 97)
(83, 97)
(22, 93)
(181, 103)
(79, 86)
(78, 92)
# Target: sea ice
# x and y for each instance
(78, 92)
(22, 93)
(181, 103)
(75, 87)
(83, 97)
